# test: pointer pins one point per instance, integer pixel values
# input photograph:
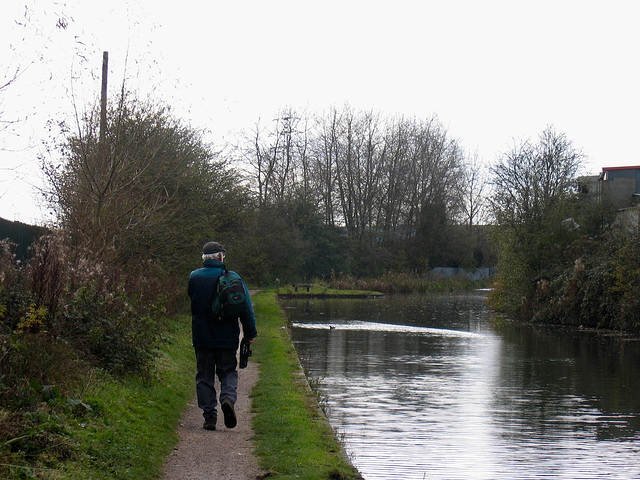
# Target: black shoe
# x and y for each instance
(209, 424)
(230, 420)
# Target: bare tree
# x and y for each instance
(31, 30)
(259, 158)
(391, 189)
(474, 192)
(284, 152)
(435, 177)
(324, 160)
(530, 179)
(279, 157)
(379, 181)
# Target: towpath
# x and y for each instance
(223, 454)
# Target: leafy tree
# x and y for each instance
(154, 190)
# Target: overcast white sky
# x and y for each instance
(494, 72)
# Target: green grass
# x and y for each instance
(293, 437)
(388, 283)
(320, 290)
(133, 428)
(408, 283)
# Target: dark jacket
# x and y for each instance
(207, 333)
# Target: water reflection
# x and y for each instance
(426, 387)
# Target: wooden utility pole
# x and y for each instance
(103, 99)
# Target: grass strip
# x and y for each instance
(293, 437)
(318, 290)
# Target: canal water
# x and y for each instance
(434, 387)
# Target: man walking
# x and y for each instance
(216, 340)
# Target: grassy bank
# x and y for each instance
(135, 428)
(107, 427)
(349, 287)
(407, 283)
(123, 428)
(320, 290)
(293, 437)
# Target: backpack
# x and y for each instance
(230, 299)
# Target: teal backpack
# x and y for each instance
(230, 299)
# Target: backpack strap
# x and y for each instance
(214, 289)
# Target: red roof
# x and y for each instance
(605, 169)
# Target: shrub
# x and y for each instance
(601, 289)
(62, 299)
(111, 331)
(625, 284)
(14, 297)
(29, 362)
(63, 312)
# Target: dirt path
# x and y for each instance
(223, 454)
